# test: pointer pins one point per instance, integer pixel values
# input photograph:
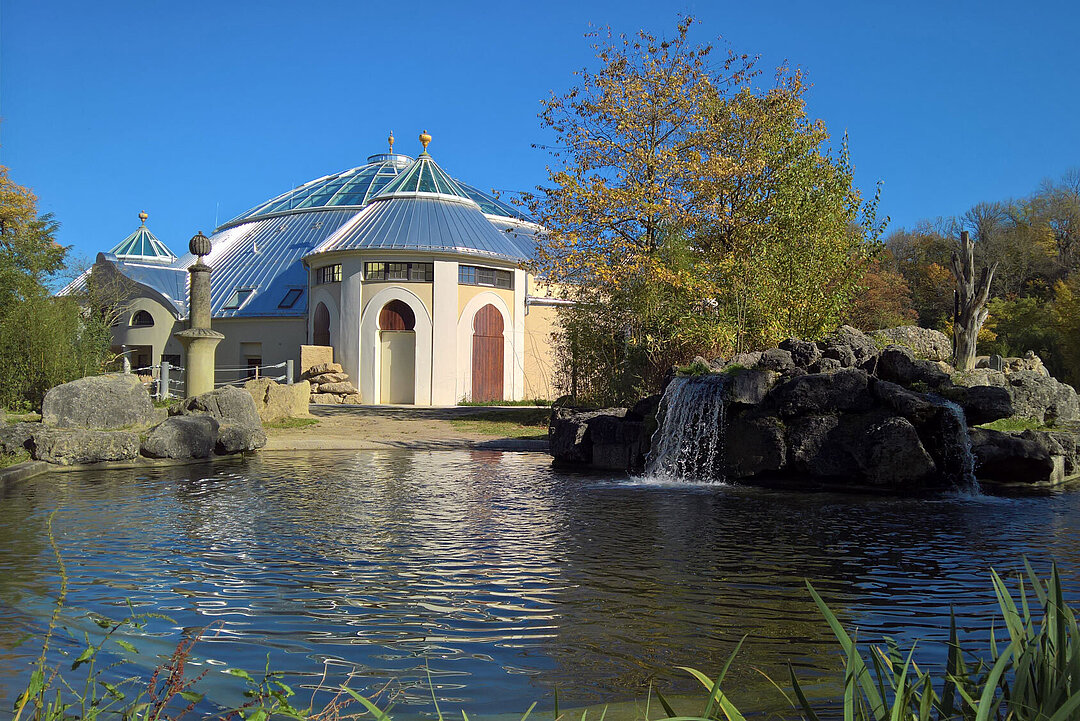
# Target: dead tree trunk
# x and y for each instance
(970, 299)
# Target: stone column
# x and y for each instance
(199, 341)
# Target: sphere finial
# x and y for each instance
(425, 139)
(391, 141)
(143, 216)
(199, 245)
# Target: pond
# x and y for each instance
(490, 579)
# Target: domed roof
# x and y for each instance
(355, 187)
(143, 246)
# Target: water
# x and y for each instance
(689, 442)
(960, 456)
(500, 576)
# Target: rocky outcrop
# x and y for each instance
(275, 401)
(182, 437)
(226, 405)
(237, 438)
(924, 343)
(844, 412)
(71, 446)
(98, 402)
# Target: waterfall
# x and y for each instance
(958, 456)
(689, 441)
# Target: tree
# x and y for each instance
(885, 298)
(689, 213)
(971, 298)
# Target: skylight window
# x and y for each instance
(239, 296)
(290, 298)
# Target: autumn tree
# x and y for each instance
(884, 300)
(689, 212)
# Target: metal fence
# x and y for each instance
(166, 380)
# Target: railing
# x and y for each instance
(165, 380)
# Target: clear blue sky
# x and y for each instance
(196, 111)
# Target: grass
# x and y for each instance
(527, 424)
(1015, 425)
(697, 368)
(292, 423)
(8, 460)
(22, 417)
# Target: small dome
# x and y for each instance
(143, 246)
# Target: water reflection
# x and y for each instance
(497, 575)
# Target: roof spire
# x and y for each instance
(391, 141)
(425, 139)
(143, 216)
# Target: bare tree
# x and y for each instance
(970, 302)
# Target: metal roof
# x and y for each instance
(432, 224)
(265, 256)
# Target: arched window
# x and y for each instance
(396, 315)
(142, 319)
(321, 333)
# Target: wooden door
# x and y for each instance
(487, 355)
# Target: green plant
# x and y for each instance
(1011, 425)
(696, 368)
(293, 423)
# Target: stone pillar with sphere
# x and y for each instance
(199, 341)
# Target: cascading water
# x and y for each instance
(959, 458)
(689, 441)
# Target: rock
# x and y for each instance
(325, 398)
(71, 446)
(924, 343)
(825, 365)
(842, 354)
(238, 438)
(193, 436)
(899, 365)
(917, 408)
(226, 405)
(803, 352)
(645, 408)
(749, 386)
(862, 347)
(982, 404)
(98, 402)
(618, 443)
(1042, 397)
(812, 451)
(846, 390)
(979, 377)
(328, 378)
(746, 360)
(1005, 458)
(353, 399)
(893, 456)
(569, 439)
(754, 445)
(15, 438)
(275, 401)
(321, 368)
(776, 359)
(343, 388)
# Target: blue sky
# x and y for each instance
(197, 111)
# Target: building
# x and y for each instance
(414, 279)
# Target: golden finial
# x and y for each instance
(425, 139)
(143, 216)
(391, 141)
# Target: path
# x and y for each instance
(352, 427)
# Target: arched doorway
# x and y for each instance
(397, 346)
(487, 355)
(321, 332)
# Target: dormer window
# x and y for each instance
(290, 298)
(142, 319)
(239, 297)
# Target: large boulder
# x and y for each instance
(98, 402)
(343, 388)
(1043, 398)
(924, 343)
(749, 386)
(898, 364)
(982, 404)
(851, 347)
(777, 359)
(846, 390)
(275, 401)
(803, 352)
(569, 438)
(15, 438)
(618, 443)
(320, 368)
(226, 405)
(1011, 459)
(239, 438)
(893, 456)
(182, 437)
(754, 445)
(71, 446)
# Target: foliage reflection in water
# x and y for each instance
(501, 577)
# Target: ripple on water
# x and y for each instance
(500, 577)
